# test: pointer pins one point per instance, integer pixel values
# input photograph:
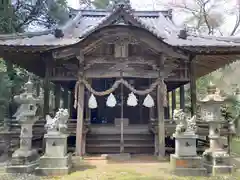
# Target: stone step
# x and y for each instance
(126, 142)
(116, 150)
(117, 137)
(118, 145)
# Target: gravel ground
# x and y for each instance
(19, 177)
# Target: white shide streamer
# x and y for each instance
(111, 101)
(132, 100)
(148, 101)
(92, 102)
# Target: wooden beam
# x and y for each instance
(156, 44)
(192, 72)
(135, 60)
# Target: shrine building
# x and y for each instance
(119, 66)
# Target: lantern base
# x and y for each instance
(23, 161)
(217, 162)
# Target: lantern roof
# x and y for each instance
(213, 95)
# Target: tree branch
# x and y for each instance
(237, 23)
(33, 13)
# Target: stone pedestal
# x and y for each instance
(185, 161)
(187, 166)
(55, 161)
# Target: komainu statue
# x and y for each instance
(184, 124)
(58, 123)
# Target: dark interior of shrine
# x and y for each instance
(106, 115)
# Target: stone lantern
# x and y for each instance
(25, 159)
(215, 159)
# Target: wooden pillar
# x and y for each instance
(80, 107)
(38, 88)
(192, 74)
(71, 104)
(168, 107)
(173, 100)
(57, 92)
(160, 108)
(46, 87)
(10, 72)
(65, 98)
(88, 110)
(80, 111)
(182, 97)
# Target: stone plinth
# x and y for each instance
(187, 166)
(23, 161)
(185, 161)
(55, 161)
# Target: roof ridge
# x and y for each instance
(74, 21)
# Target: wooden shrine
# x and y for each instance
(119, 51)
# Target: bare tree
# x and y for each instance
(208, 16)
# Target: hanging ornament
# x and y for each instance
(92, 102)
(148, 101)
(132, 100)
(111, 101)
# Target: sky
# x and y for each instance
(178, 17)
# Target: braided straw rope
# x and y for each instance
(116, 85)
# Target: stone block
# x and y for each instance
(216, 170)
(23, 161)
(185, 162)
(190, 172)
(187, 166)
(218, 162)
(56, 146)
(24, 157)
(54, 166)
(117, 121)
(185, 146)
(54, 162)
(22, 168)
(53, 171)
(119, 157)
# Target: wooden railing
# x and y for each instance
(39, 130)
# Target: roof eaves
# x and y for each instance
(24, 35)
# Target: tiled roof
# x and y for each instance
(86, 21)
